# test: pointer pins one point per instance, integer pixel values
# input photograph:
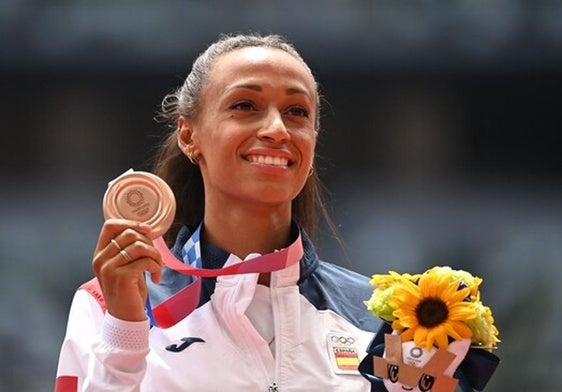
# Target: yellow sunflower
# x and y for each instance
(383, 281)
(378, 304)
(472, 282)
(432, 310)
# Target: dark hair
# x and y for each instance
(184, 177)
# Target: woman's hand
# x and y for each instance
(122, 255)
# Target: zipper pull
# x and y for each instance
(273, 388)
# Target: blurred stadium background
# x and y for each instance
(441, 144)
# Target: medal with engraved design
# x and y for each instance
(142, 197)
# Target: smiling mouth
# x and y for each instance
(269, 160)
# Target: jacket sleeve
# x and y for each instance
(100, 352)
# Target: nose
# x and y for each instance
(274, 128)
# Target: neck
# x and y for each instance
(241, 231)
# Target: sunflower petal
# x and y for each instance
(441, 337)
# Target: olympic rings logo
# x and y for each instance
(343, 340)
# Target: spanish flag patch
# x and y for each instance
(343, 352)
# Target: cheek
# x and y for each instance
(308, 149)
(217, 146)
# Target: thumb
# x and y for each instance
(156, 276)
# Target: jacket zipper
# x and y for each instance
(232, 318)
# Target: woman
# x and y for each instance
(240, 163)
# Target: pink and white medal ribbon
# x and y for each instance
(145, 197)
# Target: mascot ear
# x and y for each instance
(459, 348)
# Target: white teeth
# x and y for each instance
(269, 160)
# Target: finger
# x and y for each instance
(121, 282)
(156, 276)
(113, 227)
(114, 277)
(151, 260)
(127, 237)
(138, 266)
(113, 257)
(140, 249)
(125, 245)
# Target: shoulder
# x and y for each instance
(335, 288)
(341, 281)
(93, 288)
(332, 287)
(346, 282)
(86, 312)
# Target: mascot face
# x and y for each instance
(406, 367)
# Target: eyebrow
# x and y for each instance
(255, 87)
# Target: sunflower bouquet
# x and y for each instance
(432, 307)
(437, 332)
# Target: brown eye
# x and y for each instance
(393, 372)
(426, 382)
(242, 105)
(298, 111)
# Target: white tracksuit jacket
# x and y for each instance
(313, 311)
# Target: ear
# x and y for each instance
(185, 135)
(459, 348)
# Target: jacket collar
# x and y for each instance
(214, 257)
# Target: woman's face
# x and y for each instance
(255, 129)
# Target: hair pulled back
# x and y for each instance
(184, 177)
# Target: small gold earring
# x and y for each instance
(192, 158)
(311, 171)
